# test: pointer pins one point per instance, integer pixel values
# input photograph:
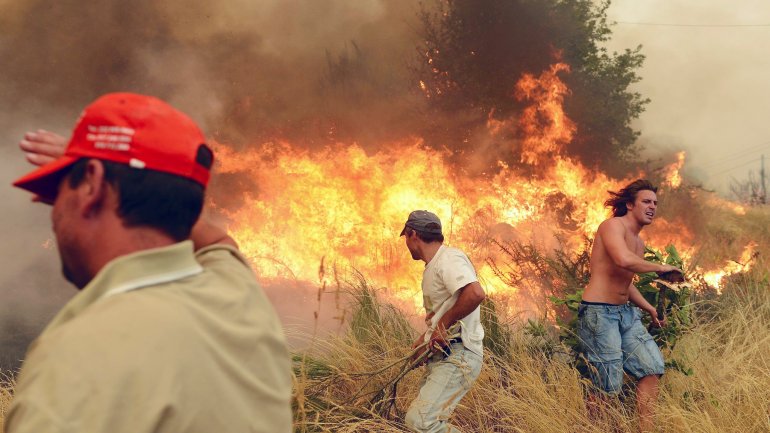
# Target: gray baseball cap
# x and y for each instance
(424, 222)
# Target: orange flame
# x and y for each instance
(343, 208)
(547, 129)
(737, 208)
(714, 278)
(672, 175)
(347, 208)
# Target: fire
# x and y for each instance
(342, 209)
(722, 203)
(672, 175)
(347, 208)
(547, 129)
(714, 278)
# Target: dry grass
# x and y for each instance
(527, 391)
(730, 353)
(524, 390)
(6, 389)
(722, 234)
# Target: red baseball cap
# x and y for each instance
(140, 131)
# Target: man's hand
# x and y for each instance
(41, 147)
(429, 317)
(672, 274)
(439, 339)
(657, 322)
(438, 342)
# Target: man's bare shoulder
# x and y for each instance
(611, 224)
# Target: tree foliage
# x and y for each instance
(474, 52)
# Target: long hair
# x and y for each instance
(618, 200)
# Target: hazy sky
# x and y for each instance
(706, 73)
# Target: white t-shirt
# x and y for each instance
(447, 272)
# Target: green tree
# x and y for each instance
(473, 53)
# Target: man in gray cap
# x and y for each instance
(451, 293)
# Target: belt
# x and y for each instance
(603, 304)
(445, 351)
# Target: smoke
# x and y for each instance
(705, 76)
(31, 287)
(314, 72)
(245, 70)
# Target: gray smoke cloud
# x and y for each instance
(244, 69)
(706, 76)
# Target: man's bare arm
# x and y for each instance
(470, 297)
(612, 232)
(635, 296)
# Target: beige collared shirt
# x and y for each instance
(163, 340)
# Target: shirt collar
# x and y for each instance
(435, 257)
(130, 272)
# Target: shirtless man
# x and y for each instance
(610, 328)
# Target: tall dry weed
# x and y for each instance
(524, 388)
(730, 356)
(6, 395)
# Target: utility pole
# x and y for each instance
(763, 200)
(762, 176)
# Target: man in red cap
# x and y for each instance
(170, 331)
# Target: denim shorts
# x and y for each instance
(613, 339)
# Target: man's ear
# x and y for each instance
(93, 189)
